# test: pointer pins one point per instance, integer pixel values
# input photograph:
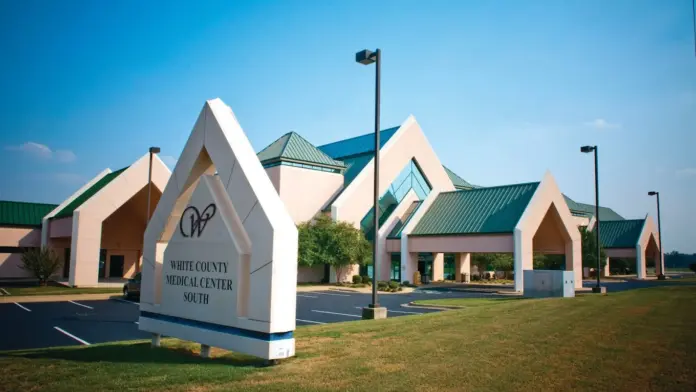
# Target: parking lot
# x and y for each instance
(48, 324)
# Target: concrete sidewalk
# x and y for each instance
(57, 297)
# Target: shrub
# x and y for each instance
(382, 283)
(357, 279)
(416, 278)
(41, 263)
(393, 284)
(366, 279)
(692, 267)
(399, 289)
(476, 277)
(406, 283)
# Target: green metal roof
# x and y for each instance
(19, 213)
(458, 182)
(84, 196)
(588, 210)
(358, 145)
(620, 233)
(293, 147)
(477, 211)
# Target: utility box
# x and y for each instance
(549, 283)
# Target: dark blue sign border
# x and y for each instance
(247, 333)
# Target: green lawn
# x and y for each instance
(630, 341)
(57, 289)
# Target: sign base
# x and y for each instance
(268, 346)
(369, 313)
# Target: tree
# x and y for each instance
(338, 244)
(41, 263)
(589, 249)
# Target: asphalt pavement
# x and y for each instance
(50, 324)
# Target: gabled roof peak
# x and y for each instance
(293, 147)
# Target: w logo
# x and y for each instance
(198, 220)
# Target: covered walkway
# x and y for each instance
(632, 238)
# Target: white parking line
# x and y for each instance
(28, 310)
(137, 322)
(338, 295)
(340, 314)
(126, 301)
(72, 336)
(79, 304)
(395, 311)
(306, 296)
(310, 321)
(4, 291)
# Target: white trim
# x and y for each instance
(44, 221)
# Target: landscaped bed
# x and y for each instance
(629, 341)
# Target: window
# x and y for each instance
(395, 267)
(449, 269)
(410, 178)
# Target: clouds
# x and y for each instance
(43, 152)
(602, 124)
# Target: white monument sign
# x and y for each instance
(220, 253)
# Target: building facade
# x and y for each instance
(431, 220)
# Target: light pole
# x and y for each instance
(589, 149)
(374, 311)
(661, 276)
(153, 150)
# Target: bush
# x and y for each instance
(366, 279)
(399, 289)
(357, 279)
(406, 283)
(382, 283)
(41, 263)
(393, 284)
(476, 278)
(692, 267)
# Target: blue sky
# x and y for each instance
(504, 90)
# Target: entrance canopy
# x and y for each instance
(632, 238)
(521, 219)
(105, 221)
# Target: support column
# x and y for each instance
(463, 267)
(658, 264)
(84, 253)
(409, 265)
(524, 258)
(438, 266)
(606, 267)
(640, 262)
(573, 254)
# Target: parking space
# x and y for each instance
(50, 324)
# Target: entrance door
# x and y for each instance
(116, 266)
(66, 263)
(425, 266)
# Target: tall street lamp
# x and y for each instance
(661, 275)
(152, 150)
(587, 150)
(374, 311)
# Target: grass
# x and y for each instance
(53, 288)
(645, 341)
